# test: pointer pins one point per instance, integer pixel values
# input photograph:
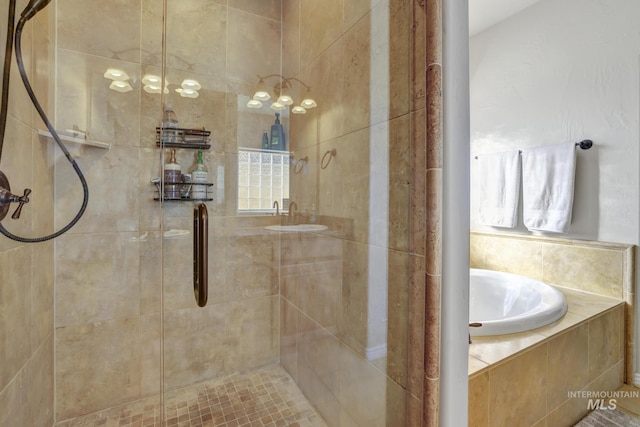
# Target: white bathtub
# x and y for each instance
(506, 303)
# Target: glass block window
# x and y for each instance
(263, 177)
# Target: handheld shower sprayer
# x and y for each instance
(34, 7)
(6, 197)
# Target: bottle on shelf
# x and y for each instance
(172, 177)
(169, 124)
(199, 175)
(265, 140)
(277, 135)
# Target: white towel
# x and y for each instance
(499, 188)
(548, 175)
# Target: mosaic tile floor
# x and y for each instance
(265, 397)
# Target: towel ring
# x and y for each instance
(331, 154)
(300, 163)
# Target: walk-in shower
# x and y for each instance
(314, 310)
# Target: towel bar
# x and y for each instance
(584, 144)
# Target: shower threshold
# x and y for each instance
(266, 396)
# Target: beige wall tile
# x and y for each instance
(418, 57)
(418, 185)
(252, 333)
(362, 390)
(568, 353)
(432, 327)
(201, 46)
(42, 291)
(256, 51)
(289, 337)
(323, 26)
(598, 271)
(434, 221)
(111, 345)
(529, 404)
(479, 401)
(271, 9)
(605, 333)
(399, 183)
(96, 277)
(110, 206)
(398, 318)
(319, 292)
(195, 344)
(416, 338)
(291, 38)
(106, 31)
(514, 256)
(15, 311)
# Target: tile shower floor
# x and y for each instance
(264, 397)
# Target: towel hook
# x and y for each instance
(331, 154)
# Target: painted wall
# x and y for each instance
(563, 71)
(26, 270)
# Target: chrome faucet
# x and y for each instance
(292, 216)
(277, 206)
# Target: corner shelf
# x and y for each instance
(81, 141)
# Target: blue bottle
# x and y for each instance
(277, 135)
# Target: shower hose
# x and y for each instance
(29, 12)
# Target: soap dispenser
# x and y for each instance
(277, 135)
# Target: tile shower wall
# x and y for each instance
(356, 366)
(109, 267)
(26, 270)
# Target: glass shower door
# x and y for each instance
(310, 259)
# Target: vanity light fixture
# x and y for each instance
(282, 90)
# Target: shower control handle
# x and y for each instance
(21, 200)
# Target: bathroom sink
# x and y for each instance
(298, 227)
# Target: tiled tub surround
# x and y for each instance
(582, 351)
(585, 350)
(606, 269)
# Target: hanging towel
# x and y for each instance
(548, 175)
(499, 192)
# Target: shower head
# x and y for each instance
(34, 7)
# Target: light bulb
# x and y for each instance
(285, 99)
(254, 103)
(115, 74)
(120, 86)
(261, 95)
(191, 84)
(151, 88)
(150, 79)
(308, 103)
(277, 106)
(298, 110)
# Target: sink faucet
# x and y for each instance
(292, 206)
(277, 206)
